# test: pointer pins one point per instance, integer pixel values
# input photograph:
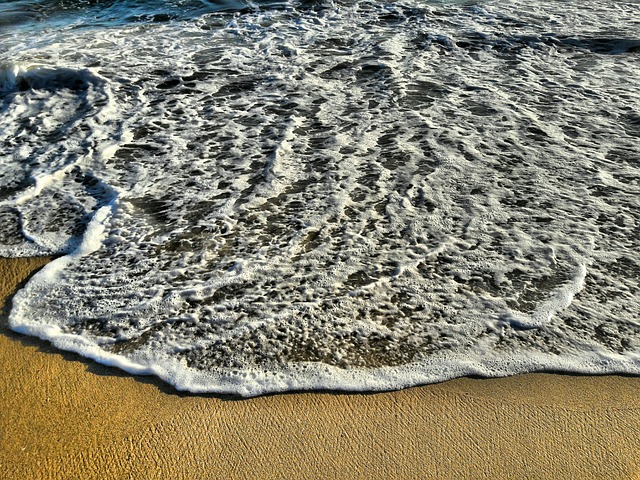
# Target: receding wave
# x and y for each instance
(347, 195)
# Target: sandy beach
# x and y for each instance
(62, 416)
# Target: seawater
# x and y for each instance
(251, 197)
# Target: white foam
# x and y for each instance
(357, 197)
(558, 301)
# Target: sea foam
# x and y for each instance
(337, 195)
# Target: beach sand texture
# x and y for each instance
(64, 417)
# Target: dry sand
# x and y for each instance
(64, 417)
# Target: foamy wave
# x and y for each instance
(18, 77)
(346, 195)
(61, 126)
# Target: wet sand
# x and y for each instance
(62, 416)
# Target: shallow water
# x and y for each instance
(359, 195)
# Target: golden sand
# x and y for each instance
(62, 416)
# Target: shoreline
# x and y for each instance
(64, 416)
